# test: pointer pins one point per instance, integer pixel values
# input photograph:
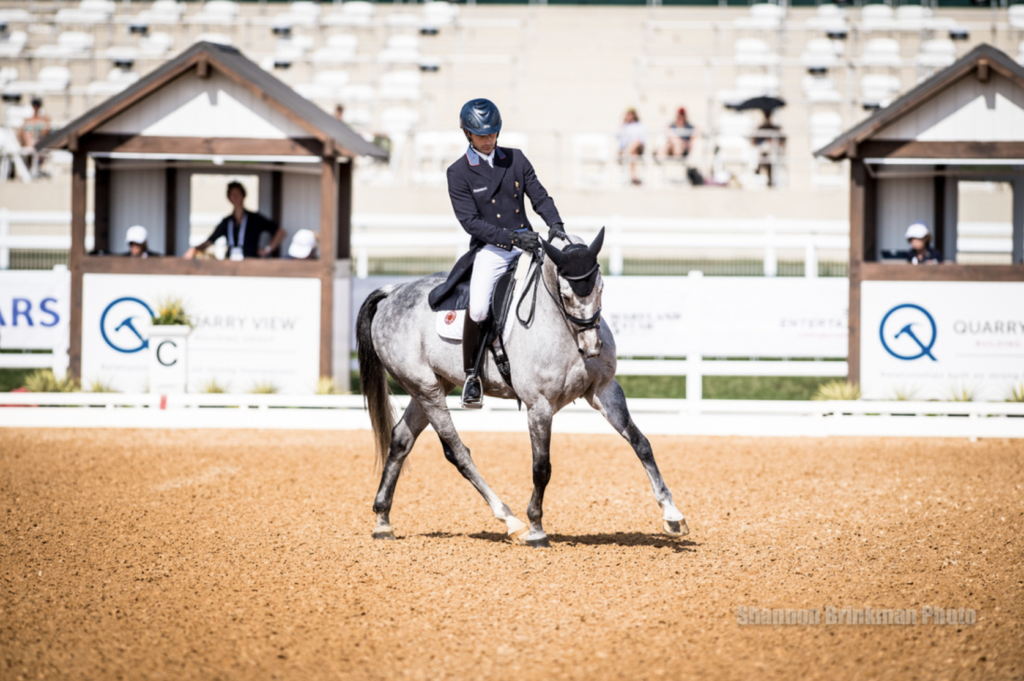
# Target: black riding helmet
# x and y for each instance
(480, 117)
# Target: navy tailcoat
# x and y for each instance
(490, 204)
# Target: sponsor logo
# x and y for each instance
(481, 189)
(118, 324)
(908, 332)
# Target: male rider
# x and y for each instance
(487, 186)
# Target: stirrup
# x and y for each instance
(476, 402)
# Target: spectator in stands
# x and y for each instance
(33, 129)
(771, 143)
(304, 245)
(921, 252)
(632, 138)
(680, 137)
(339, 112)
(137, 240)
(242, 229)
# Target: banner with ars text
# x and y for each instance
(727, 316)
(248, 331)
(33, 309)
(941, 339)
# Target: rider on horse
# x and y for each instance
(487, 186)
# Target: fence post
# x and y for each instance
(615, 258)
(362, 263)
(5, 230)
(694, 376)
(771, 256)
(810, 259)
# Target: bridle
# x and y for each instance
(582, 325)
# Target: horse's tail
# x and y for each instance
(373, 377)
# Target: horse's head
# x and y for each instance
(579, 291)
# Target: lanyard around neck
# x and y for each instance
(241, 231)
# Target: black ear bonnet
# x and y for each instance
(579, 267)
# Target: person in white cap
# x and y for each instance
(136, 239)
(921, 252)
(304, 245)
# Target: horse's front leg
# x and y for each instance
(540, 436)
(611, 402)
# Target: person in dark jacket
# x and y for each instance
(488, 186)
(921, 251)
(242, 230)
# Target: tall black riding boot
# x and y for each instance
(472, 392)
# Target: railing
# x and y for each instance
(653, 416)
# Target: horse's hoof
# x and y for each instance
(519, 536)
(676, 528)
(539, 543)
(387, 534)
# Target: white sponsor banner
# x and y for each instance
(248, 330)
(33, 308)
(937, 340)
(739, 316)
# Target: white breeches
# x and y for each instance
(490, 263)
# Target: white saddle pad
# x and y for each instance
(449, 323)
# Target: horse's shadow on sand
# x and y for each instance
(606, 539)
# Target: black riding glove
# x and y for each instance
(555, 231)
(525, 239)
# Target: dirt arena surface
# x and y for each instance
(247, 555)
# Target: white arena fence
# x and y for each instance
(654, 417)
(395, 235)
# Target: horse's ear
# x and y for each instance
(555, 254)
(595, 247)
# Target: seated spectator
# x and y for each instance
(33, 129)
(771, 144)
(632, 138)
(921, 253)
(680, 137)
(137, 239)
(304, 245)
(242, 229)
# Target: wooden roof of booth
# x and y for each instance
(970, 109)
(228, 106)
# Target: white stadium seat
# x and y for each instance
(11, 44)
(828, 17)
(877, 18)
(401, 85)
(748, 86)
(877, 90)
(936, 54)
(1015, 15)
(820, 90)
(216, 12)
(913, 18)
(355, 13)
(764, 16)
(161, 12)
(882, 52)
(117, 80)
(340, 49)
(821, 54)
(402, 20)
(88, 12)
(215, 38)
(438, 14)
(357, 94)
(591, 158)
(155, 45)
(754, 52)
(69, 44)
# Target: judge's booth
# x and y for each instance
(259, 323)
(949, 154)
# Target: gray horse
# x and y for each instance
(561, 351)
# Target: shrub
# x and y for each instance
(1016, 393)
(263, 388)
(213, 386)
(98, 385)
(837, 390)
(43, 381)
(171, 312)
(328, 386)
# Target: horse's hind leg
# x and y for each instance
(458, 454)
(611, 402)
(403, 437)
